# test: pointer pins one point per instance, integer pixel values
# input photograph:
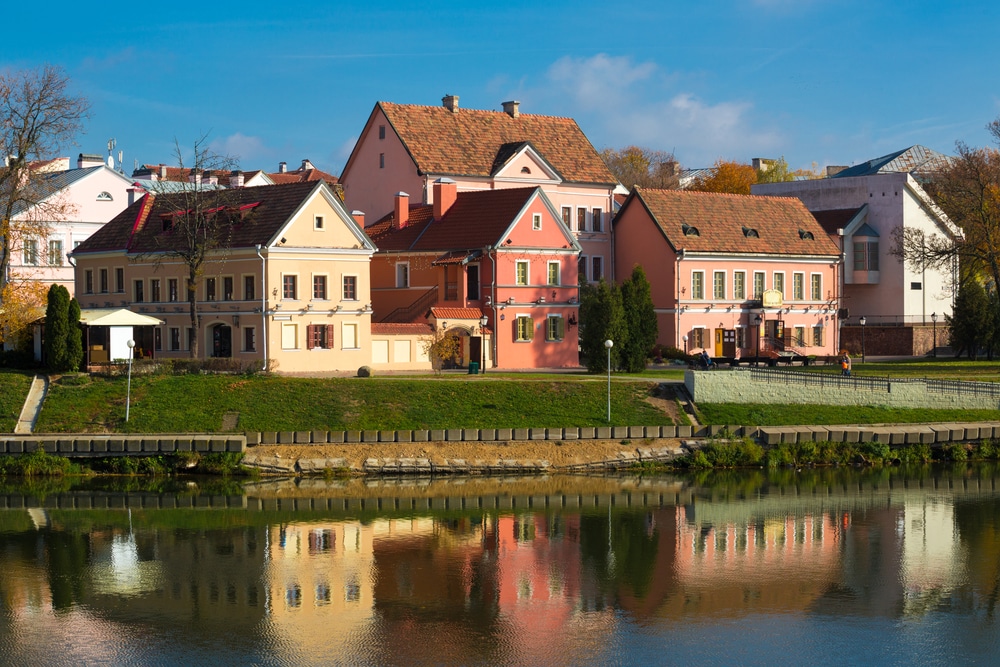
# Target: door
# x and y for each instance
(729, 343)
(476, 350)
(222, 341)
(718, 342)
(774, 330)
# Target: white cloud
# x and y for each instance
(241, 147)
(593, 81)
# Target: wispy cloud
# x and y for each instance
(243, 148)
(109, 61)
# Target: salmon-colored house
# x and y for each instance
(739, 276)
(289, 286)
(497, 268)
(406, 148)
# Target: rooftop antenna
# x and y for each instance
(111, 147)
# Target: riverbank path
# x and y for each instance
(32, 404)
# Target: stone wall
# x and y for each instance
(896, 341)
(70, 444)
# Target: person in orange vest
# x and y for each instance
(845, 364)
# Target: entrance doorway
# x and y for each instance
(222, 341)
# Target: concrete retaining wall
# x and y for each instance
(69, 444)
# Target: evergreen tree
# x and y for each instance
(640, 319)
(56, 328)
(601, 318)
(74, 338)
(971, 323)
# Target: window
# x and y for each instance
(779, 283)
(719, 285)
(915, 286)
(741, 338)
(157, 339)
(697, 338)
(818, 336)
(581, 219)
(319, 288)
(758, 284)
(567, 215)
(800, 336)
(350, 288)
(581, 268)
(289, 336)
(88, 281)
(209, 289)
(103, 275)
(119, 279)
(227, 288)
(138, 295)
(154, 290)
(472, 282)
(175, 339)
(105, 196)
(536, 221)
(873, 255)
(816, 287)
(739, 284)
(597, 268)
(318, 222)
(349, 337)
(521, 268)
(381, 160)
(381, 131)
(403, 274)
(698, 285)
(598, 220)
(553, 273)
(30, 252)
(798, 286)
(319, 335)
(190, 337)
(249, 288)
(866, 255)
(555, 328)
(249, 339)
(289, 289)
(55, 255)
(172, 289)
(524, 328)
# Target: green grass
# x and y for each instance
(13, 390)
(755, 414)
(942, 368)
(197, 403)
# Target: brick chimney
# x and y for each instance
(236, 178)
(510, 108)
(445, 194)
(163, 172)
(401, 212)
(359, 217)
(450, 103)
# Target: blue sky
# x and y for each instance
(818, 81)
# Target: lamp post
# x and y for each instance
(483, 321)
(756, 356)
(128, 391)
(608, 345)
(863, 321)
(934, 323)
(685, 338)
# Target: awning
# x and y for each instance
(116, 317)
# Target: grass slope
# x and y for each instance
(793, 415)
(14, 387)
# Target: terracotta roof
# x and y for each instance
(261, 212)
(833, 219)
(401, 328)
(302, 176)
(713, 222)
(475, 220)
(473, 142)
(456, 313)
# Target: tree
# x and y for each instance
(37, 115)
(21, 302)
(601, 318)
(74, 337)
(645, 167)
(640, 318)
(971, 323)
(774, 171)
(728, 177)
(57, 329)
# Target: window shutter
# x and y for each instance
(560, 328)
(309, 337)
(531, 328)
(329, 335)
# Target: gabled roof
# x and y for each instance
(838, 218)
(49, 183)
(258, 215)
(471, 142)
(302, 176)
(915, 160)
(724, 223)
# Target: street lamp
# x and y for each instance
(756, 356)
(608, 344)
(934, 322)
(128, 391)
(863, 321)
(685, 338)
(483, 321)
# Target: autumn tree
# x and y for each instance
(21, 302)
(645, 167)
(726, 176)
(774, 171)
(640, 319)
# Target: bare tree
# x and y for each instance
(645, 167)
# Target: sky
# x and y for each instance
(820, 82)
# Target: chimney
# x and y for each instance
(359, 217)
(445, 194)
(210, 177)
(306, 166)
(236, 178)
(450, 103)
(194, 176)
(134, 194)
(85, 160)
(163, 172)
(401, 212)
(282, 167)
(510, 108)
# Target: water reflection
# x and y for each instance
(752, 567)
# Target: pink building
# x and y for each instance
(504, 255)
(718, 262)
(407, 148)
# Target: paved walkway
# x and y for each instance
(32, 405)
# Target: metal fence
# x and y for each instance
(869, 383)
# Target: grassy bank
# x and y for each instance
(13, 390)
(199, 403)
(756, 414)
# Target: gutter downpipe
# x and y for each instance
(493, 299)
(677, 332)
(263, 303)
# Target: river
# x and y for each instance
(843, 566)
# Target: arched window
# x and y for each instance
(105, 196)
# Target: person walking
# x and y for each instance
(845, 365)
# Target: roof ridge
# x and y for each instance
(464, 110)
(717, 194)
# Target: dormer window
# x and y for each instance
(690, 230)
(750, 233)
(806, 236)
(525, 170)
(105, 196)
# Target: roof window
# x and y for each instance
(806, 236)
(750, 233)
(690, 230)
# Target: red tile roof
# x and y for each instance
(723, 222)
(471, 142)
(302, 176)
(456, 313)
(401, 328)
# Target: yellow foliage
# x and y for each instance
(21, 302)
(727, 176)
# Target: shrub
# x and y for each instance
(364, 372)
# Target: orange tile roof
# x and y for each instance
(401, 328)
(783, 224)
(302, 176)
(470, 142)
(457, 313)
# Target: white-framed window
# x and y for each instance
(30, 252)
(581, 219)
(567, 216)
(55, 255)
(249, 287)
(319, 336)
(536, 221)
(289, 336)
(697, 284)
(350, 288)
(402, 274)
(227, 288)
(349, 336)
(799, 286)
(758, 284)
(88, 281)
(103, 276)
(865, 254)
(778, 282)
(553, 273)
(739, 285)
(105, 196)
(719, 285)
(290, 286)
(596, 268)
(175, 339)
(555, 328)
(138, 293)
(318, 223)
(524, 328)
(521, 272)
(799, 333)
(598, 220)
(172, 289)
(120, 280)
(818, 335)
(816, 287)
(249, 339)
(210, 289)
(319, 287)
(154, 290)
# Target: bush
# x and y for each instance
(364, 372)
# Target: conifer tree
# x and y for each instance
(56, 328)
(640, 319)
(601, 318)
(74, 338)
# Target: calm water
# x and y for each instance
(838, 566)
